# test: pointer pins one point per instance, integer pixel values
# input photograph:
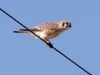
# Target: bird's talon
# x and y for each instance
(50, 45)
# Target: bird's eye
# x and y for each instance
(66, 23)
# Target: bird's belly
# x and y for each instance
(53, 35)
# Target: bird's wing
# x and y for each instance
(47, 26)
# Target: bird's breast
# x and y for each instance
(54, 34)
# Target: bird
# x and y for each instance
(48, 30)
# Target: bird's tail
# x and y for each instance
(25, 30)
(21, 31)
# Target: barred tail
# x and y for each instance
(25, 30)
(20, 31)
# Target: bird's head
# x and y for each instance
(65, 24)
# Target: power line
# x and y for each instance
(50, 45)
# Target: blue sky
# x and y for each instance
(21, 54)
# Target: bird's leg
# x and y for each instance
(49, 44)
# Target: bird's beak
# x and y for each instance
(70, 25)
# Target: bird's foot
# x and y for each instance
(49, 44)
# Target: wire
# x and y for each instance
(50, 45)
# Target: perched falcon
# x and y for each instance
(48, 30)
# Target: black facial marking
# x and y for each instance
(63, 24)
(66, 24)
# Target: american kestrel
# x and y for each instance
(48, 30)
